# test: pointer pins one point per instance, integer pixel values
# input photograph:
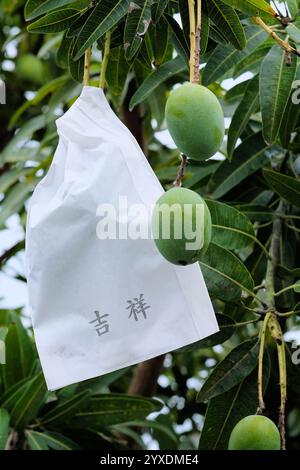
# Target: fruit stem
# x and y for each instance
(197, 43)
(181, 170)
(283, 387)
(191, 4)
(283, 44)
(104, 60)
(261, 403)
(86, 69)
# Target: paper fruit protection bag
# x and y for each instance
(99, 305)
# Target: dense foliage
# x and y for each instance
(253, 192)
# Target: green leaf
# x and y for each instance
(290, 118)
(252, 7)
(106, 15)
(294, 32)
(247, 106)
(226, 325)
(158, 9)
(286, 186)
(232, 370)
(137, 23)
(231, 229)
(224, 58)
(36, 440)
(54, 22)
(75, 67)
(165, 71)
(178, 38)
(13, 393)
(274, 90)
(3, 333)
(34, 8)
(248, 157)
(108, 410)
(117, 70)
(297, 287)
(19, 354)
(14, 200)
(226, 19)
(49, 440)
(4, 427)
(226, 410)
(225, 274)
(293, 6)
(63, 411)
(28, 405)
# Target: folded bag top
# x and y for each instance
(102, 301)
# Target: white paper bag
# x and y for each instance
(101, 305)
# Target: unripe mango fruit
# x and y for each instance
(30, 68)
(254, 433)
(195, 121)
(181, 226)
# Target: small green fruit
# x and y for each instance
(30, 68)
(195, 120)
(255, 433)
(181, 226)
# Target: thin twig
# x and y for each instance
(191, 5)
(181, 170)
(283, 44)
(261, 403)
(197, 42)
(105, 60)
(86, 70)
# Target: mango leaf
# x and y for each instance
(226, 19)
(19, 354)
(178, 38)
(28, 405)
(158, 9)
(294, 31)
(290, 118)
(224, 58)
(36, 440)
(3, 333)
(117, 70)
(4, 427)
(62, 411)
(226, 325)
(13, 393)
(231, 229)
(286, 186)
(58, 20)
(274, 90)
(103, 18)
(108, 410)
(293, 6)
(232, 370)
(34, 8)
(226, 410)
(137, 23)
(225, 274)
(15, 199)
(165, 71)
(76, 67)
(49, 440)
(248, 157)
(252, 7)
(247, 106)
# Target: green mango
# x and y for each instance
(195, 121)
(254, 433)
(181, 226)
(30, 68)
